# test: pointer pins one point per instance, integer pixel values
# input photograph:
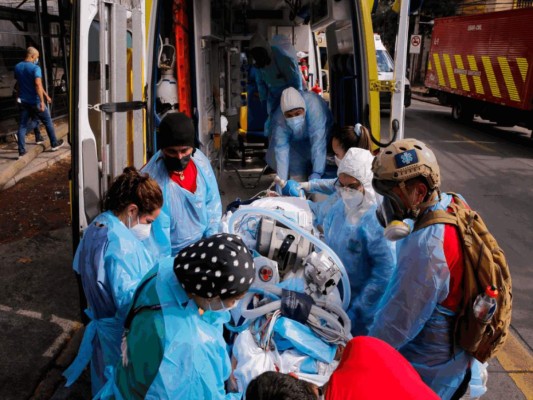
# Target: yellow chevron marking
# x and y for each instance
(462, 76)
(449, 70)
(429, 64)
(508, 78)
(491, 78)
(477, 79)
(517, 361)
(438, 67)
(523, 66)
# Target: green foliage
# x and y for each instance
(385, 21)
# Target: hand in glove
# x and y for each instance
(292, 188)
(315, 175)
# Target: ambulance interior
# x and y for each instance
(217, 34)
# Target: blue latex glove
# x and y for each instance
(315, 175)
(292, 188)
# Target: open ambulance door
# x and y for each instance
(352, 67)
(107, 117)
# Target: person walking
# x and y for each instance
(32, 98)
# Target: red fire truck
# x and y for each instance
(483, 65)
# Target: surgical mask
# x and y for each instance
(296, 124)
(222, 307)
(36, 61)
(140, 231)
(352, 199)
(337, 161)
(176, 164)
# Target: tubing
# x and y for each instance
(317, 242)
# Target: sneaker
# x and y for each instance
(39, 141)
(59, 143)
(21, 155)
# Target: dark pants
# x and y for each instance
(31, 111)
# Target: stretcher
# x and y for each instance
(293, 319)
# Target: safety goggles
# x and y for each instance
(352, 186)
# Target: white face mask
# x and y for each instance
(296, 124)
(352, 199)
(140, 231)
(222, 307)
(337, 160)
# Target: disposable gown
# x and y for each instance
(191, 360)
(111, 262)
(300, 155)
(192, 215)
(410, 317)
(282, 72)
(368, 257)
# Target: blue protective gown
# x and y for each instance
(191, 215)
(297, 156)
(111, 262)
(282, 72)
(410, 317)
(368, 257)
(194, 362)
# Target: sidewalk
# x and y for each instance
(38, 156)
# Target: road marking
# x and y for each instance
(518, 363)
(67, 326)
(472, 142)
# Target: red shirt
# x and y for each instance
(371, 369)
(186, 178)
(453, 251)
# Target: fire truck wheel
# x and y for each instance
(461, 112)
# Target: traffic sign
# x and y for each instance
(416, 40)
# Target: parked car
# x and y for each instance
(386, 72)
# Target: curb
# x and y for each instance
(8, 177)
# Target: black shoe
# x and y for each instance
(59, 143)
(39, 141)
(21, 155)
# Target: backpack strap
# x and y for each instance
(441, 216)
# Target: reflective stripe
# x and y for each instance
(440, 75)
(508, 78)
(523, 66)
(477, 79)
(449, 71)
(464, 80)
(491, 78)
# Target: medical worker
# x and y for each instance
(342, 139)
(277, 69)
(352, 230)
(112, 260)
(418, 311)
(300, 130)
(174, 347)
(192, 200)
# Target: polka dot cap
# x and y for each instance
(220, 265)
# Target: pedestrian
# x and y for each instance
(351, 229)
(33, 99)
(277, 69)
(418, 311)
(111, 261)
(300, 129)
(174, 344)
(192, 200)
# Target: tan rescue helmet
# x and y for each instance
(407, 159)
